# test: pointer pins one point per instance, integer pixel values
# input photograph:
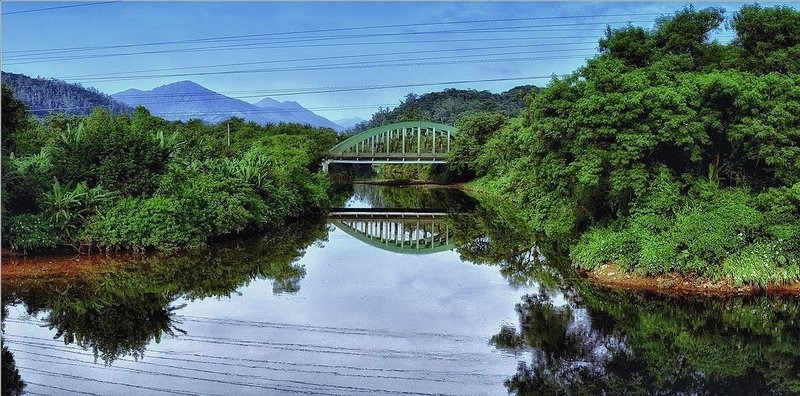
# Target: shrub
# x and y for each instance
(25, 179)
(138, 224)
(69, 207)
(107, 151)
(762, 264)
(30, 233)
(598, 246)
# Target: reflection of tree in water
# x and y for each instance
(615, 342)
(12, 383)
(114, 328)
(10, 380)
(622, 343)
(119, 311)
(493, 234)
(567, 355)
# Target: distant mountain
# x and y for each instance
(347, 123)
(187, 100)
(296, 112)
(46, 96)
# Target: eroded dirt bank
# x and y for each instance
(611, 275)
(17, 267)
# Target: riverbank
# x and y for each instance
(607, 275)
(611, 275)
(16, 266)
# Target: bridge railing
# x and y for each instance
(408, 231)
(401, 140)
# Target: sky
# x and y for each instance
(338, 59)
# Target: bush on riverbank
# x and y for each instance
(117, 182)
(667, 152)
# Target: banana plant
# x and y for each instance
(70, 207)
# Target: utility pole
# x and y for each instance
(229, 134)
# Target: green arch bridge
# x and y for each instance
(417, 142)
(405, 231)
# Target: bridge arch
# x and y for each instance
(419, 142)
(405, 231)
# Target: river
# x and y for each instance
(437, 294)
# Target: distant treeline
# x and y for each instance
(48, 96)
(447, 106)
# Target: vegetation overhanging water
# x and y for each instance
(570, 337)
(665, 153)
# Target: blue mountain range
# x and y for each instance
(187, 100)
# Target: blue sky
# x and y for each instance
(251, 50)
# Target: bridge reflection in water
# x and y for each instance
(407, 231)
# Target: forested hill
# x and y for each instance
(46, 96)
(448, 106)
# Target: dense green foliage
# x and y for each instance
(474, 130)
(48, 96)
(15, 117)
(449, 105)
(665, 152)
(139, 182)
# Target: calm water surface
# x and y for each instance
(455, 305)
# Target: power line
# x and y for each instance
(224, 38)
(117, 74)
(442, 60)
(37, 58)
(323, 45)
(257, 110)
(241, 94)
(58, 7)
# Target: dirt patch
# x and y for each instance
(18, 267)
(612, 276)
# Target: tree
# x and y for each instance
(631, 44)
(631, 159)
(106, 151)
(686, 33)
(473, 132)
(14, 119)
(768, 38)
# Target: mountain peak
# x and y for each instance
(185, 86)
(184, 100)
(268, 102)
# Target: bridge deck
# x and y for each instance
(428, 156)
(383, 213)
